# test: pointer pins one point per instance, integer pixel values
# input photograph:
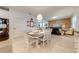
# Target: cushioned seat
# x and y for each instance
(70, 31)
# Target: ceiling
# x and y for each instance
(45, 10)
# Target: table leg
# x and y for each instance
(37, 43)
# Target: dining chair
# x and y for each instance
(47, 37)
(30, 41)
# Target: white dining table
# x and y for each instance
(36, 35)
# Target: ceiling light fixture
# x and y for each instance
(39, 17)
(55, 17)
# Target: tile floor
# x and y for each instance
(5, 47)
(58, 44)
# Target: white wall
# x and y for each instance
(18, 21)
(65, 12)
(4, 13)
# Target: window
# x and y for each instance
(1, 24)
(74, 21)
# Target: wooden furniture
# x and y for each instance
(60, 22)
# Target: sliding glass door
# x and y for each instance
(4, 29)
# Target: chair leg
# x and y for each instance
(37, 43)
(43, 43)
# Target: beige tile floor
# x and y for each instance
(58, 44)
(5, 46)
(76, 41)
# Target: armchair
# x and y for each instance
(70, 31)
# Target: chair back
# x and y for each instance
(47, 35)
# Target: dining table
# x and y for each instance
(36, 35)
